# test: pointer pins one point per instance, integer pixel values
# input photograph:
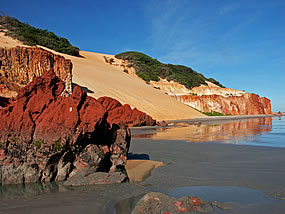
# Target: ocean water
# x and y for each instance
(267, 131)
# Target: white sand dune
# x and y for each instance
(102, 79)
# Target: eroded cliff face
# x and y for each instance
(247, 104)
(173, 88)
(210, 98)
(19, 66)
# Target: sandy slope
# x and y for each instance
(8, 42)
(102, 79)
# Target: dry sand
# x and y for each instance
(8, 42)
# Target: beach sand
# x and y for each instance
(139, 170)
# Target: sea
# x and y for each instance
(264, 131)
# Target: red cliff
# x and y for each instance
(19, 65)
(247, 104)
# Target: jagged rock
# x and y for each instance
(156, 202)
(118, 113)
(19, 66)
(45, 136)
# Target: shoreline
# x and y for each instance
(221, 118)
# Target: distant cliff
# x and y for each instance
(234, 105)
(18, 67)
(213, 98)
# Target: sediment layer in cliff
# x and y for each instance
(247, 104)
(20, 65)
(212, 98)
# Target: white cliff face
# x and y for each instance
(210, 90)
(173, 88)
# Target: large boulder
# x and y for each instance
(45, 136)
(118, 113)
(156, 202)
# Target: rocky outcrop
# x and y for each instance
(45, 136)
(156, 202)
(247, 104)
(20, 65)
(118, 113)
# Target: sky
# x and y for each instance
(239, 43)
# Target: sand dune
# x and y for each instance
(102, 79)
(8, 42)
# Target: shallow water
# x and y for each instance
(267, 131)
(237, 196)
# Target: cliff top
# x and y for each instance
(149, 69)
(34, 36)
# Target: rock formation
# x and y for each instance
(118, 112)
(156, 202)
(214, 98)
(45, 136)
(20, 65)
(247, 104)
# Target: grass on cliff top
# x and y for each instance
(214, 113)
(34, 36)
(151, 69)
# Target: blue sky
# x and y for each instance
(239, 43)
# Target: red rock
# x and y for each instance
(118, 113)
(247, 104)
(47, 137)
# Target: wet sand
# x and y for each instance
(186, 164)
(139, 170)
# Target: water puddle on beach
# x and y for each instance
(266, 131)
(15, 191)
(236, 196)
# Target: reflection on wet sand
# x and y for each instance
(215, 131)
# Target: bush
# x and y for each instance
(34, 36)
(148, 69)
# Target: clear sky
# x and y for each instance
(239, 43)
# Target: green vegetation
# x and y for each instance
(38, 143)
(57, 146)
(34, 36)
(2, 144)
(214, 113)
(151, 69)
